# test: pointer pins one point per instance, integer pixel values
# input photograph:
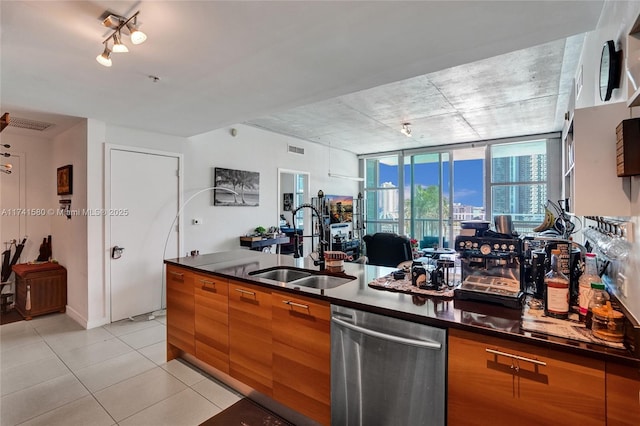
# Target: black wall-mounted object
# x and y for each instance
(610, 65)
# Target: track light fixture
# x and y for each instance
(119, 24)
(406, 129)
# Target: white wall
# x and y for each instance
(614, 24)
(69, 236)
(616, 20)
(257, 151)
(40, 188)
(97, 291)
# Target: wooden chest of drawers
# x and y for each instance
(40, 289)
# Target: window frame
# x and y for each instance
(553, 179)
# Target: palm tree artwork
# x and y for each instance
(246, 184)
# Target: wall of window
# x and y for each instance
(382, 195)
(442, 187)
(299, 199)
(519, 182)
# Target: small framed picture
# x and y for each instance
(287, 201)
(65, 180)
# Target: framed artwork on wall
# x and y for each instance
(245, 184)
(65, 180)
(287, 201)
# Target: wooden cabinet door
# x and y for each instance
(211, 296)
(623, 395)
(501, 382)
(180, 312)
(250, 343)
(302, 355)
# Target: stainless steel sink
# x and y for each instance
(281, 274)
(294, 277)
(321, 281)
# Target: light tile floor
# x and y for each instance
(54, 372)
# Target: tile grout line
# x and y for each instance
(204, 375)
(74, 375)
(80, 381)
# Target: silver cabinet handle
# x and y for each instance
(205, 283)
(299, 305)
(177, 274)
(245, 291)
(427, 344)
(519, 358)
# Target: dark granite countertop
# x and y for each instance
(477, 317)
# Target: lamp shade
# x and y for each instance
(118, 47)
(137, 36)
(105, 57)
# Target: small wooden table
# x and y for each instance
(41, 288)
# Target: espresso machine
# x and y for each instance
(492, 267)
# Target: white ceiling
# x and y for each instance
(345, 74)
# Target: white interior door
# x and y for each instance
(143, 203)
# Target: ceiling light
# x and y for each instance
(118, 23)
(105, 57)
(137, 36)
(406, 129)
(118, 47)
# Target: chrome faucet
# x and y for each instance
(321, 243)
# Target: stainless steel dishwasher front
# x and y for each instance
(386, 371)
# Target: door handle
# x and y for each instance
(426, 344)
(116, 252)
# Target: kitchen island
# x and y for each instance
(254, 348)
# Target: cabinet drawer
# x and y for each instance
(302, 322)
(180, 311)
(623, 395)
(301, 355)
(250, 342)
(212, 320)
(522, 382)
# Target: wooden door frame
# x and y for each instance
(108, 148)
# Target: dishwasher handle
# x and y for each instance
(427, 344)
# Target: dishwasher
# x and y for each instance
(386, 371)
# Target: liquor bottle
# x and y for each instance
(556, 300)
(589, 276)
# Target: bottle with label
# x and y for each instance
(589, 276)
(556, 284)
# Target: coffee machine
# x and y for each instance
(492, 267)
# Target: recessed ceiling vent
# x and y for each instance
(296, 149)
(25, 123)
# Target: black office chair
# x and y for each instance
(387, 249)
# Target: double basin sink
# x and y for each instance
(301, 277)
